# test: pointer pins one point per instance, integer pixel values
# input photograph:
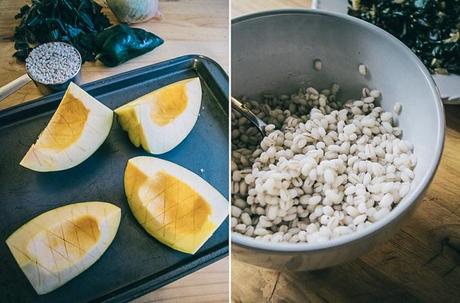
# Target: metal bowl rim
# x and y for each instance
(414, 194)
(50, 85)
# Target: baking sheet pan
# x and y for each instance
(135, 263)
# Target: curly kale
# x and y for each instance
(58, 20)
(431, 28)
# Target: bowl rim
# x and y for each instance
(414, 194)
(71, 78)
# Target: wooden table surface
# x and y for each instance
(188, 27)
(419, 264)
(208, 285)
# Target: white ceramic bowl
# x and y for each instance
(274, 52)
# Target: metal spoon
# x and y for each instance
(246, 112)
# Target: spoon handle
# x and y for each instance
(13, 86)
(242, 109)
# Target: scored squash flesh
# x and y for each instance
(56, 246)
(78, 127)
(174, 205)
(66, 126)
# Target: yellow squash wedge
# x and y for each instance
(173, 204)
(76, 130)
(160, 120)
(58, 245)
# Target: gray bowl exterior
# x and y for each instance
(274, 52)
(318, 258)
(47, 89)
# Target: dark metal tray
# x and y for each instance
(135, 263)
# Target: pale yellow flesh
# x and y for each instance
(66, 125)
(76, 130)
(170, 209)
(158, 110)
(165, 103)
(171, 101)
(58, 245)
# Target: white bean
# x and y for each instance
(322, 171)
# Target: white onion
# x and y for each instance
(134, 11)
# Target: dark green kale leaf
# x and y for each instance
(59, 20)
(431, 28)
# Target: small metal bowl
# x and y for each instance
(46, 88)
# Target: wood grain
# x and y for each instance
(209, 284)
(188, 27)
(419, 264)
(243, 7)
